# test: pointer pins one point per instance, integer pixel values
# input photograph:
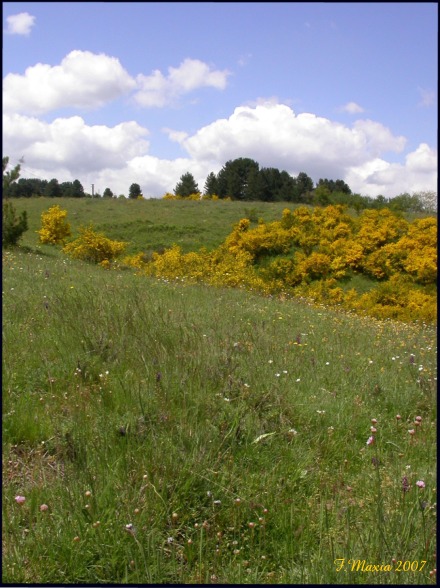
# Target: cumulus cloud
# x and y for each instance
(270, 133)
(351, 108)
(417, 174)
(70, 143)
(82, 80)
(157, 90)
(20, 24)
(274, 135)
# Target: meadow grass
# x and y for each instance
(150, 225)
(188, 434)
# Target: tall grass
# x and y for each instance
(186, 434)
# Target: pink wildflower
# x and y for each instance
(370, 440)
(43, 507)
(420, 483)
(20, 499)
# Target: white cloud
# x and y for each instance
(418, 173)
(274, 135)
(156, 90)
(270, 133)
(20, 24)
(82, 80)
(71, 144)
(351, 108)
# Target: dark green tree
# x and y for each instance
(211, 185)
(134, 191)
(233, 177)
(303, 185)
(13, 226)
(108, 193)
(256, 185)
(287, 187)
(186, 186)
(334, 185)
(53, 189)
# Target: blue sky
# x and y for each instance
(116, 93)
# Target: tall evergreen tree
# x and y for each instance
(186, 186)
(211, 185)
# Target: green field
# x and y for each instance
(192, 434)
(151, 225)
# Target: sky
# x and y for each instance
(115, 93)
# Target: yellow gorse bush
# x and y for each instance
(310, 253)
(94, 247)
(54, 227)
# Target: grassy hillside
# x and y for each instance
(162, 433)
(150, 224)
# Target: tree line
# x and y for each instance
(239, 179)
(243, 179)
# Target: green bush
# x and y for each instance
(13, 226)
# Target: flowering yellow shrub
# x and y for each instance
(54, 227)
(94, 247)
(136, 261)
(308, 253)
(375, 228)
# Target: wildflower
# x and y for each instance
(237, 501)
(420, 483)
(96, 524)
(374, 421)
(251, 525)
(398, 417)
(170, 540)
(130, 529)
(136, 511)
(405, 484)
(373, 429)
(217, 501)
(292, 432)
(370, 440)
(20, 499)
(76, 539)
(412, 431)
(418, 419)
(88, 494)
(43, 507)
(175, 516)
